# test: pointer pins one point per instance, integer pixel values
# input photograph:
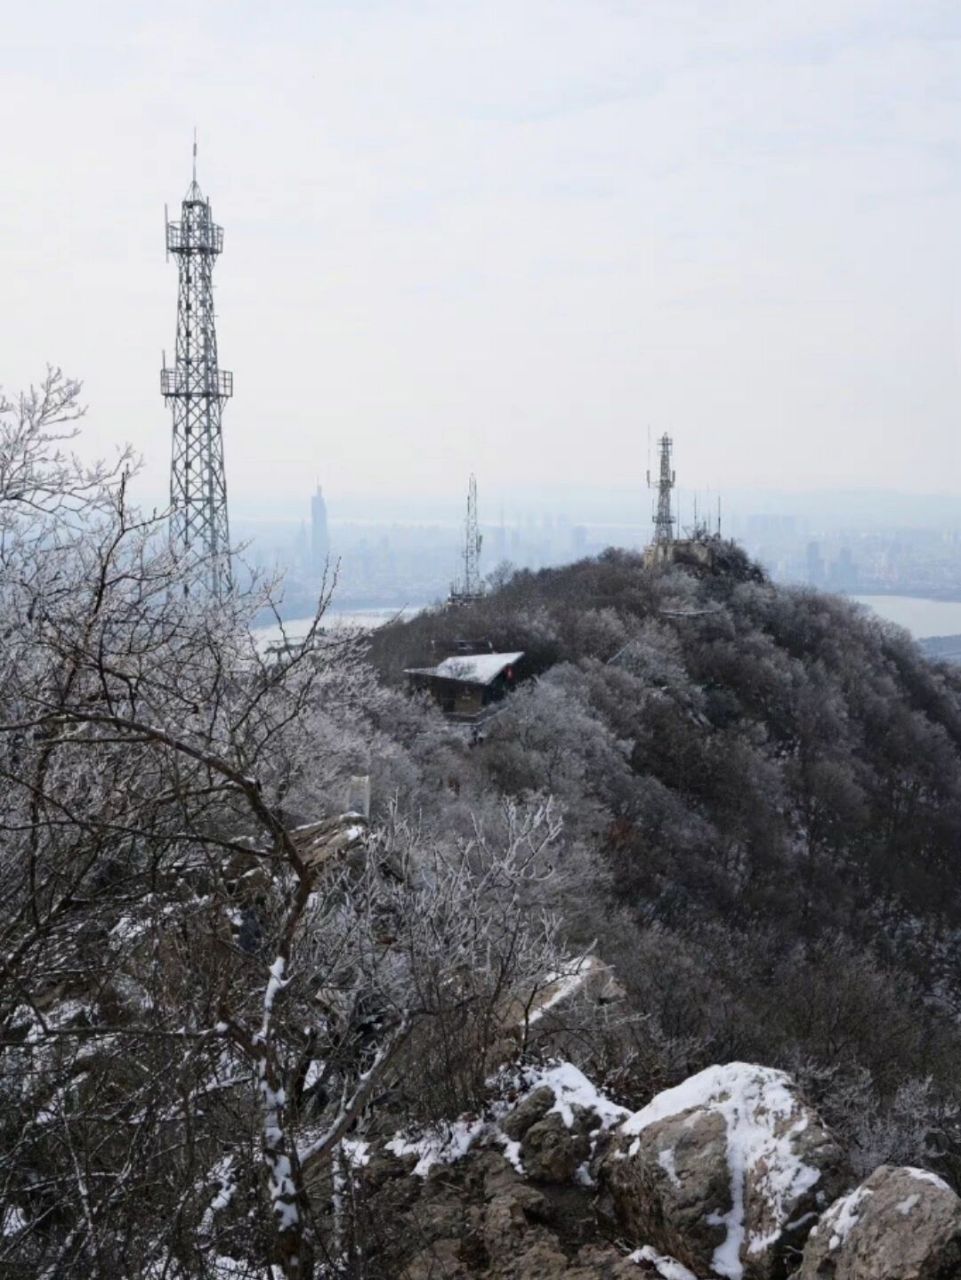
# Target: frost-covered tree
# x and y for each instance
(208, 978)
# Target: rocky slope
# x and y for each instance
(731, 1175)
(768, 783)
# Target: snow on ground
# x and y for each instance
(356, 1153)
(754, 1102)
(512, 1152)
(572, 1088)
(561, 986)
(665, 1266)
(445, 1144)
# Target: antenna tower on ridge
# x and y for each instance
(470, 587)
(196, 389)
(663, 519)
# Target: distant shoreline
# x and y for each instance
(945, 596)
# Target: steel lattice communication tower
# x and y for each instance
(470, 588)
(663, 519)
(195, 389)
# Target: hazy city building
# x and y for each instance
(319, 535)
(814, 564)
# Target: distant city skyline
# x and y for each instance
(820, 509)
(501, 238)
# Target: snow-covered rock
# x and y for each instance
(899, 1224)
(658, 1264)
(723, 1172)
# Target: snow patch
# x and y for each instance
(314, 1073)
(665, 1159)
(448, 1143)
(12, 1222)
(561, 986)
(925, 1175)
(841, 1218)
(276, 984)
(223, 1172)
(667, 1267)
(443, 1145)
(356, 1153)
(905, 1206)
(512, 1152)
(572, 1088)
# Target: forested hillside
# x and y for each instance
(772, 780)
(736, 806)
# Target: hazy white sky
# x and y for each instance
(502, 236)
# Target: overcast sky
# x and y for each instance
(508, 237)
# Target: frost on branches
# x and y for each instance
(207, 988)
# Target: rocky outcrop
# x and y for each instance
(899, 1224)
(484, 1220)
(729, 1176)
(727, 1172)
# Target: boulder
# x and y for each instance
(534, 1107)
(442, 1258)
(899, 1224)
(552, 1152)
(724, 1173)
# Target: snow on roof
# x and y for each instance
(473, 668)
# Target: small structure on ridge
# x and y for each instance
(467, 687)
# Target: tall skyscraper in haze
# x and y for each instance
(319, 537)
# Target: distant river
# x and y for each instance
(296, 628)
(921, 617)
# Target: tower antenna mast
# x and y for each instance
(470, 587)
(663, 516)
(195, 390)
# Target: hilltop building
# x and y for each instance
(466, 686)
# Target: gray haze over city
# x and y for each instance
(521, 241)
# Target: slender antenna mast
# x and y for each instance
(195, 390)
(667, 478)
(470, 588)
